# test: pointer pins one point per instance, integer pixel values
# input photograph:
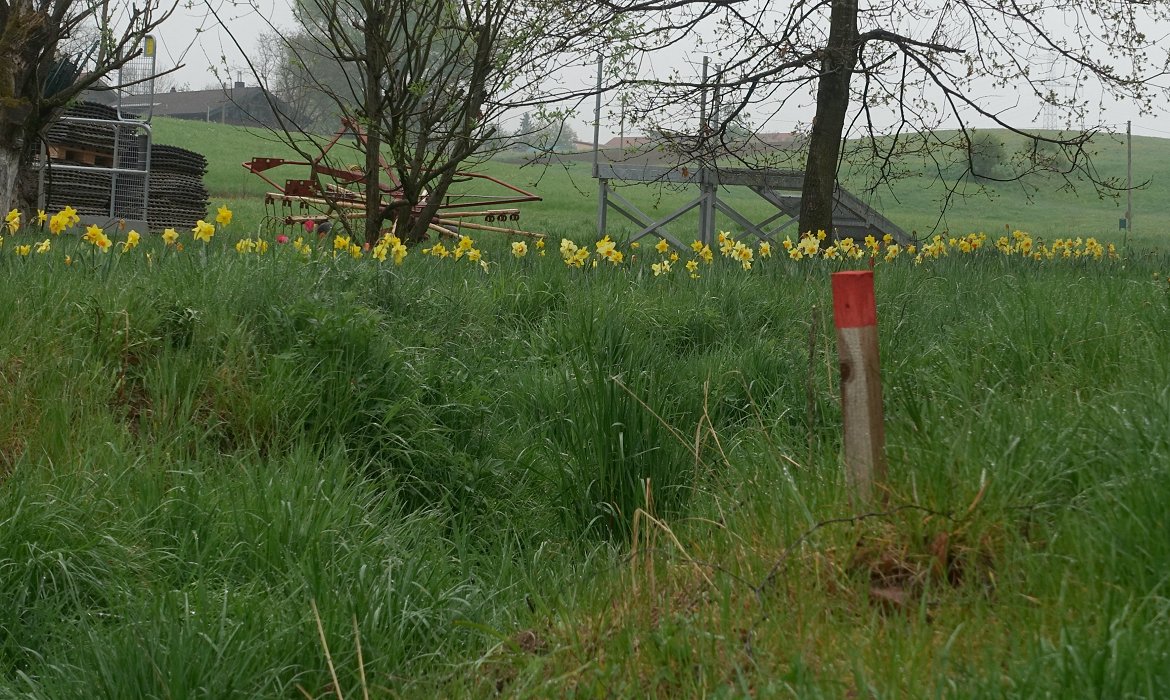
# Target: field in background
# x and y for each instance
(571, 194)
(244, 475)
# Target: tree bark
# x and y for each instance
(824, 148)
(9, 169)
(374, 111)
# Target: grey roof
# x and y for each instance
(197, 102)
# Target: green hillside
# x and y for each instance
(913, 202)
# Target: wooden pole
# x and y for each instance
(855, 315)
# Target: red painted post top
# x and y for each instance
(854, 305)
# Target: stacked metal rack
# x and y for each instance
(100, 160)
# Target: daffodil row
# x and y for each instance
(808, 246)
(96, 236)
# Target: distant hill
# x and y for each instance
(912, 202)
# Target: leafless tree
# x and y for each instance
(50, 51)
(901, 78)
(428, 81)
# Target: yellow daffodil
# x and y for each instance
(23, 250)
(765, 249)
(12, 220)
(223, 216)
(203, 231)
(170, 236)
(44, 246)
(131, 242)
(519, 249)
(662, 246)
(93, 233)
(42, 217)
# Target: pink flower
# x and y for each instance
(282, 239)
(309, 226)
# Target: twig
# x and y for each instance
(325, 646)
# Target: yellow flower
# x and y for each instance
(821, 235)
(23, 250)
(68, 261)
(697, 245)
(170, 236)
(42, 217)
(12, 219)
(540, 244)
(203, 231)
(673, 257)
(662, 246)
(661, 268)
(43, 246)
(131, 243)
(93, 234)
(519, 249)
(635, 245)
(475, 255)
(788, 243)
(245, 245)
(465, 243)
(743, 254)
(692, 265)
(340, 242)
(355, 251)
(223, 216)
(765, 249)
(399, 253)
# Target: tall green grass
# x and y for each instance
(228, 478)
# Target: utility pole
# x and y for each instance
(1128, 181)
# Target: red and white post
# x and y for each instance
(855, 315)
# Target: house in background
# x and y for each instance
(238, 105)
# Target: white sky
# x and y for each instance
(194, 38)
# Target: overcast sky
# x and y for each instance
(195, 39)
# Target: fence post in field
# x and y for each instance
(855, 316)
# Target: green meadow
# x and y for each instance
(241, 475)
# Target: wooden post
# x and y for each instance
(855, 315)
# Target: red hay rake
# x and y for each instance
(329, 192)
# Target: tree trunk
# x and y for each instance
(10, 159)
(824, 148)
